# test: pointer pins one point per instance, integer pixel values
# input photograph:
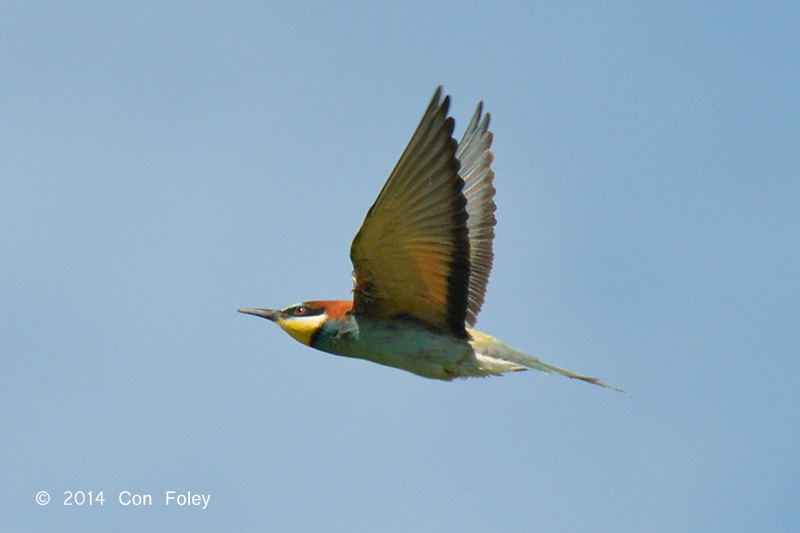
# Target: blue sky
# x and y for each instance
(164, 165)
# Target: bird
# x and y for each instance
(421, 263)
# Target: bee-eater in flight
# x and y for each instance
(421, 261)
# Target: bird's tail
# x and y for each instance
(487, 346)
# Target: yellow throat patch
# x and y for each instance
(302, 327)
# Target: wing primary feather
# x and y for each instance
(476, 159)
(411, 256)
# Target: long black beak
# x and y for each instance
(269, 314)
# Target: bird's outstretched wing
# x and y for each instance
(411, 256)
(476, 171)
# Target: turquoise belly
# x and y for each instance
(399, 343)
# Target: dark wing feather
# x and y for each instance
(476, 171)
(411, 256)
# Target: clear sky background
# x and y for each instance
(161, 166)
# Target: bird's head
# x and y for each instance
(302, 320)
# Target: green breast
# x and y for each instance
(400, 343)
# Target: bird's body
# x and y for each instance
(402, 343)
(421, 263)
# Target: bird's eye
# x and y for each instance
(300, 310)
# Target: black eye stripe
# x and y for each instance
(304, 310)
